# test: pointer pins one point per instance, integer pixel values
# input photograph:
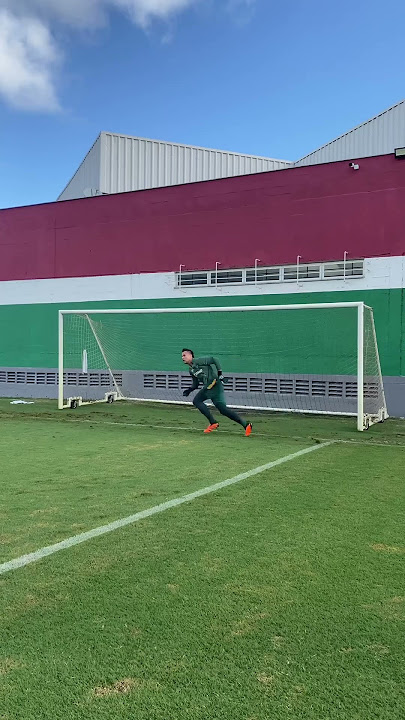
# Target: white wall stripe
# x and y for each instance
(96, 532)
(382, 273)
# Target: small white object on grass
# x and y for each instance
(22, 402)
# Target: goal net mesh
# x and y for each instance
(299, 359)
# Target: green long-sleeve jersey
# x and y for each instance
(204, 371)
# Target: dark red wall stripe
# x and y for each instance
(317, 212)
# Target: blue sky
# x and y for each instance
(269, 78)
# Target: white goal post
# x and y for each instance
(310, 358)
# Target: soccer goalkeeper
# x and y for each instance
(206, 371)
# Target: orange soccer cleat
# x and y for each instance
(248, 429)
(212, 427)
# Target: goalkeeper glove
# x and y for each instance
(188, 390)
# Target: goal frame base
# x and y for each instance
(110, 397)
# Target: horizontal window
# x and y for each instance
(351, 268)
(263, 275)
(302, 272)
(287, 273)
(192, 279)
(309, 271)
(226, 276)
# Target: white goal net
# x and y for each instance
(319, 358)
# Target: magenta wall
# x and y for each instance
(317, 212)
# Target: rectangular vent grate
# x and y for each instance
(255, 384)
(302, 387)
(286, 387)
(319, 388)
(351, 389)
(335, 389)
(270, 386)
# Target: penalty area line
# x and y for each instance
(122, 522)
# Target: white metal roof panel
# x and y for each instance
(121, 163)
(378, 136)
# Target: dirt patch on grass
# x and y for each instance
(380, 547)
(265, 679)
(247, 625)
(389, 609)
(121, 687)
(136, 632)
(30, 601)
(43, 511)
(7, 665)
(379, 649)
(124, 687)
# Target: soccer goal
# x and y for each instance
(314, 358)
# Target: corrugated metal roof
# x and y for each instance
(121, 163)
(378, 136)
(87, 175)
(132, 163)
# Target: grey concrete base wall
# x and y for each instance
(304, 392)
(394, 388)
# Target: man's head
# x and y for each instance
(187, 356)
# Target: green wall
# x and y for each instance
(29, 333)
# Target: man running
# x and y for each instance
(206, 371)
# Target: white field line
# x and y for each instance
(183, 428)
(268, 435)
(371, 442)
(159, 427)
(83, 537)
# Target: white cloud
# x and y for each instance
(28, 52)
(143, 11)
(91, 13)
(28, 58)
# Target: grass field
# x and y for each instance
(278, 597)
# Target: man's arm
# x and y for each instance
(192, 387)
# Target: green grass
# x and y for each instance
(279, 598)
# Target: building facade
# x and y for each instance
(323, 233)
